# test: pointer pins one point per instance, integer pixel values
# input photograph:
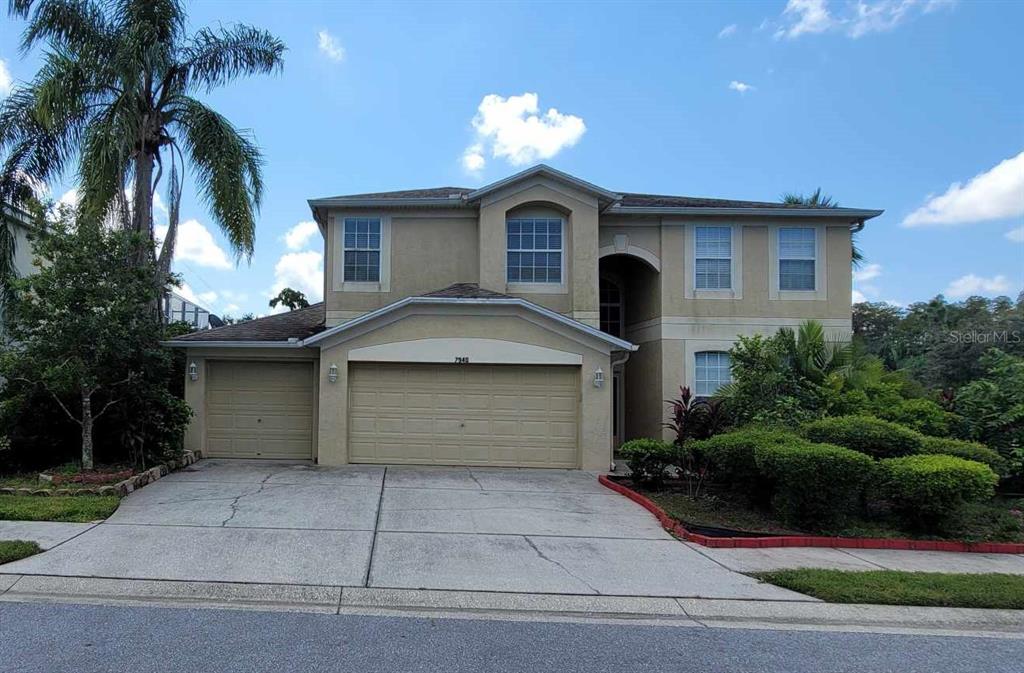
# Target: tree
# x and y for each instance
(78, 324)
(819, 200)
(116, 95)
(293, 299)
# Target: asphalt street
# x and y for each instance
(53, 638)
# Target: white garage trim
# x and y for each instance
(475, 351)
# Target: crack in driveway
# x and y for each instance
(234, 503)
(552, 561)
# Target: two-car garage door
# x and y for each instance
(452, 414)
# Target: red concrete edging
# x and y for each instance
(680, 531)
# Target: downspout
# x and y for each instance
(612, 365)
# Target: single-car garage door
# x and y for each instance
(507, 415)
(259, 410)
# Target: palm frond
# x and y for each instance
(105, 161)
(214, 58)
(228, 166)
(77, 25)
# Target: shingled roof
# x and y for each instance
(298, 324)
(466, 291)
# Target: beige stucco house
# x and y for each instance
(537, 321)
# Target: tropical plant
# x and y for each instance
(293, 299)
(116, 95)
(818, 200)
(993, 405)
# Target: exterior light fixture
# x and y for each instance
(598, 377)
(193, 371)
(332, 373)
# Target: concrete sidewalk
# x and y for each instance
(683, 612)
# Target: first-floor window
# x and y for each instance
(712, 372)
(361, 248)
(797, 258)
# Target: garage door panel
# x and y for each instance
(259, 410)
(463, 414)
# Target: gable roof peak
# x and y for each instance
(601, 193)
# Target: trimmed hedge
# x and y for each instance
(925, 416)
(967, 450)
(648, 459)
(867, 434)
(731, 457)
(926, 489)
(816, 485)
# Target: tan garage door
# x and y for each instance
(507, 415)
(259, 410)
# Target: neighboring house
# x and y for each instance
(21, 225)
(536, 322)
(179, 309)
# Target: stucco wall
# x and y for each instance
(440, 322)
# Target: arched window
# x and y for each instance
(712, 372)
(611, 308)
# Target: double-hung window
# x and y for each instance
(712, 372)
(797, 258)
(534, 253)
(713, 258)
(361, 249)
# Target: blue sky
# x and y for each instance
(914, 107)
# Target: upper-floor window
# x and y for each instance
(534, 250)
(712, 372)
(797, 258)
(713, 266)
(611, 308)
(361, 241)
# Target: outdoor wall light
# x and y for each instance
(193, 371)
(598, 377)
(332, 373)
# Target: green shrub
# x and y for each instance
(919, 414)
(967, 450)
(648, 459)
(731, 456)
(816, 485)
(867, 434)
(928, 489)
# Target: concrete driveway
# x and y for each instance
(508, 530)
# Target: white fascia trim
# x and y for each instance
(233, 344)
(851, 214)
(620, 344)
(345, 202)
(543, 169)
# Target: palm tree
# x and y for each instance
(819, 200)
(116, 94)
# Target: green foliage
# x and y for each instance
(923, 415)
(927, 489)
(70, 508)
(866, 434)
(967, 450)
(13, 550)
(816, 485)
(293, 299)
(993, 405)
(648, 459)
(84, 353)
(731, 457)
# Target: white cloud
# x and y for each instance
(869, 272)
(6, 81)
(329, 46)
(993, 195)
(1015, 235)
(742, 87)
(856, 19)
(70, 198)
(299, 235)
(196, 244)
(858, 297)
(727, 31)
(302, 271)
(514, 129)
(970, 285)
(204, 299)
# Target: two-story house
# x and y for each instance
(536, 321)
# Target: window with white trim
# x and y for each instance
(797, 258)
(361, 253)
(712, 372)
(534, 252)
(713, 264)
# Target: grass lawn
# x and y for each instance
(891, 587)
(12, 550)
(71, 508)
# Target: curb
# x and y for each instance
(680, 531)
